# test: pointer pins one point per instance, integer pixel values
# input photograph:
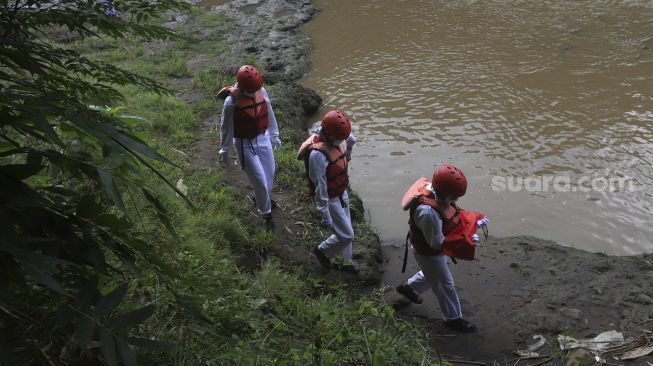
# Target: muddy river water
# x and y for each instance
(547, 106)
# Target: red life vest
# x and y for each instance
(458, 225)
(251, 114)
(336, 172)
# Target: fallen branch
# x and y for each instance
(467, 362)
(524, 358)
(541, 362)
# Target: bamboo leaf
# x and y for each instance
(161, 212)
(110, 301)
(20, 171)
(110, 187)
(41, 122)
(132, 318)
(88, 208)
(85, 330)
(126, 353)
(108, 346)
(153, 344)
(44, 278)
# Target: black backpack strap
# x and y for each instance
(403, 266)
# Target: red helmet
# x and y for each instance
(249, 79)
(449, 181)
(336, 124)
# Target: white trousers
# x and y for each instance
(257, 158)
(436, 276)
(339, 243)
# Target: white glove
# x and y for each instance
(326, 223)
(226, 159)
(476, 239)
(483, 221)
(276, 142)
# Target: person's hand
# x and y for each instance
(476, 239)
(226, 159)
(326, 223)
(276, 142)
(482, 222)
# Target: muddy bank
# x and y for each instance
(522, 286)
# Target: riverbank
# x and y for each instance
(520, 286)
(242, 295)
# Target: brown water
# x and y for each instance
(499, 88)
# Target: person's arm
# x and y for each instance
(317, 165)
(227, 131)
(227, 125)
(351, 141)
(273, 127)
(429, 222)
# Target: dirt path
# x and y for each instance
(295, 233)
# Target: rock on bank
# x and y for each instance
(268, 32)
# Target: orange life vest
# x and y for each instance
(251, 114)
(336, 172)
(458, 225)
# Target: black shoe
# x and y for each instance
(267, 220)
(460, 325)
(347, 267)
(322, 258)
(408, 291)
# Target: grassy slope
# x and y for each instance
(275, 312)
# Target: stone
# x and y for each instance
(571, 313)
(642, 299)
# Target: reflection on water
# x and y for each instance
(500, 88)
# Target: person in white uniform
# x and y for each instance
(249, 124)
(428, 223)
(326, 154)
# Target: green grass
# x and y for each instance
(211, 81)
(218, 312)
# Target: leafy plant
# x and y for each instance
(67, 170)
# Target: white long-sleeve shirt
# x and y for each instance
(430, 224)
(317, 166)
(227, 122)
